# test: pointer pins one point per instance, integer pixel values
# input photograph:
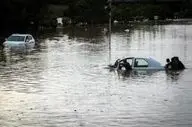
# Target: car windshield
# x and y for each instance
(16, 38)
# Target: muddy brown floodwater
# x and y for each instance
(63, 81)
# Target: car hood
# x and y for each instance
(14, 43)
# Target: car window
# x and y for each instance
(16, 38)
(140, 63)
(130, 61)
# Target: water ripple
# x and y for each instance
(63, 82)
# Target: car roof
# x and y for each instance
(20, 35)
(152, 62)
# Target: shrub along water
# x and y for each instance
(24, 13)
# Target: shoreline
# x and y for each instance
(127, 23)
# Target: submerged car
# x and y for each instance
(20, 40)
(138, 63)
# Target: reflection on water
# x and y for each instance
(63, 81)
(174, 75)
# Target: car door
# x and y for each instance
(30, 41)
(141, 64)
(26, 39)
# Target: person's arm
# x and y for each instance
(181, 65)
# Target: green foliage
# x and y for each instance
(23, 12)
(128, 12)
(20, 11)
(86, 10)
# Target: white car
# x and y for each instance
(20, 40)
(138, 63)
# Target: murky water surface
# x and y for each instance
(63, 81)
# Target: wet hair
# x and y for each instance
(167, 60)
(172, 59)
(125, 60)
(175, 58)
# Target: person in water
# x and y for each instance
(125, 64)
(168, 65)
(175, 64)
(115, 64)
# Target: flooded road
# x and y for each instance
(63, 81)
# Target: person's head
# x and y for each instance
(172, 59)
(167, 60)
(175, 59)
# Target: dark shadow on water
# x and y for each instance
(136, 73)
(171, 75)
(3, 58)
(15, 55)
(174, 75)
